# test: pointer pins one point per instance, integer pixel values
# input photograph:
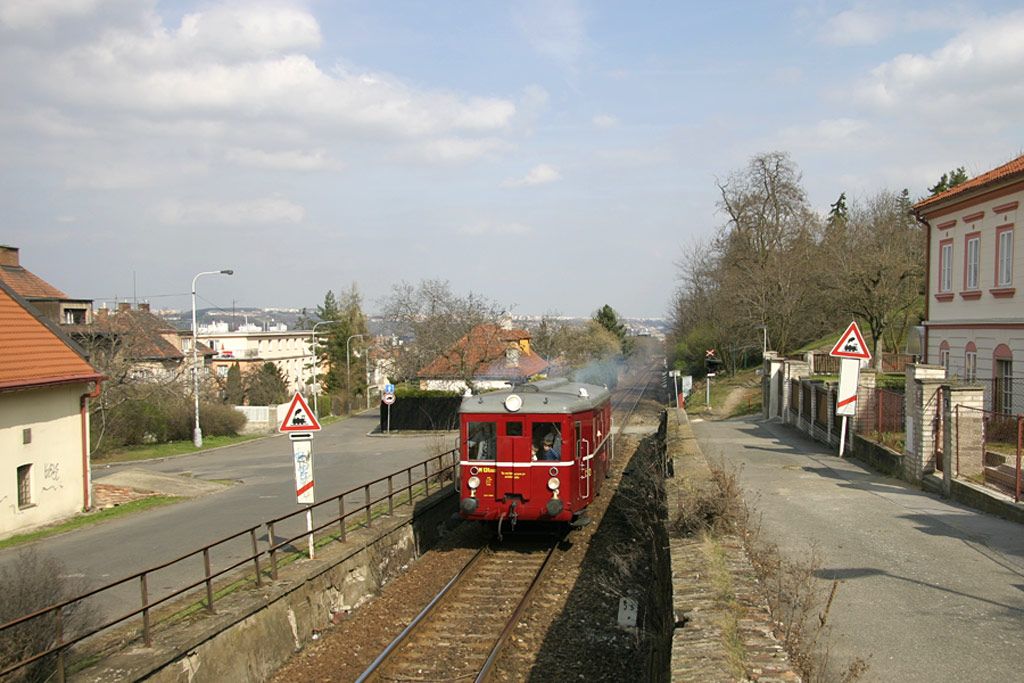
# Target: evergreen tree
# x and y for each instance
(607, 318)
(838, 213)
(340, 347)
(948, 181)
(233, 389)
(267, 386)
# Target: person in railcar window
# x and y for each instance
(482, 440)
(550, 450)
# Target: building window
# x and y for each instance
(971, 362)
(946, 266)
(1003, 380)
(944, 356)
(26, 435)
(24, 486)
(972, 260)
(74, 316)
(1004, 256)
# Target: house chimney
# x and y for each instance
(124, 306)
(144, 307)
(9, 256)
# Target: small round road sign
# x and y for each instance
(388, 398)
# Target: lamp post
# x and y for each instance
(348, 372)
(764, 344)
(316, 387)
(197, 433)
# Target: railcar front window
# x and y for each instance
(482, 440)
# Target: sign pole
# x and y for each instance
(389, 418)
(309, 528)
(842, 439)
(707, 393)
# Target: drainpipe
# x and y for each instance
(83, 402)
(927, 275)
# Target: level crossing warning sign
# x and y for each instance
(299, 418)
(851, 344)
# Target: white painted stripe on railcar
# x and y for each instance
(538, 463)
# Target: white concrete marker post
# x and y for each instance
(302, 449)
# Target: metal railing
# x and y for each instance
(402, 487)
(988, 448)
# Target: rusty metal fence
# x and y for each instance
(356, 506)
(988, 448)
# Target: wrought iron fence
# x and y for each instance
(402, 487)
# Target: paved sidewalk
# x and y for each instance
(931, 590)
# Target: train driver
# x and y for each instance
(550, 451)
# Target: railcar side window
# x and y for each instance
(482, 440)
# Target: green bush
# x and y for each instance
(158, 417)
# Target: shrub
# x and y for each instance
(32, 582)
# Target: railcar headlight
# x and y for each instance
(473, 482)
(553, 483)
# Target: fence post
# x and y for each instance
(209, 582)
(60, 643)
(256, 556)
(272, 550)
(341, 515)
(408, 474)
(366, 497)
(146, 635)
(391, 500)
(1020, 439)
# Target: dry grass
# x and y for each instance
(799, 603)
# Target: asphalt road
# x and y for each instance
(931, 591)
(263, 472)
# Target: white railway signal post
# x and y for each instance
(299, 423)
(850, 350)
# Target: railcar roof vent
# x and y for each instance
(584, 393)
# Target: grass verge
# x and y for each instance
(89, 518)
(163, 450)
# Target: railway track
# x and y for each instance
(459, 635)
(461, 632)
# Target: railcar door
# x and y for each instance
(513, 461)
(584, 456)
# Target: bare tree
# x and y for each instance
(881, 250)
(432, 318)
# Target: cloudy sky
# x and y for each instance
(552, 156)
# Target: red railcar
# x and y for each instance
(507, 473)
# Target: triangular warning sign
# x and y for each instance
(851, 344)
(299, 417)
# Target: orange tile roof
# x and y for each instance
(481, 353)
(1004, 172)
(29, 285)
(32, 353)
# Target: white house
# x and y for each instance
(45, 386)
(974, 320)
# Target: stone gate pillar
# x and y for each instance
(967, 431)
(923, 382)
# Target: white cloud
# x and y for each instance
(272, 210)
(39, 14)
(538, 175)
(827, 134)
(494, 229)
(287, 160)
(249, 30)
(857, 26)
(605, 121)
(556, 30)
(457, 150)
(977, 71)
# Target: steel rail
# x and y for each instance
(411, 627)
(514, 619)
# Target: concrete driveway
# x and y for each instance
(931, 591)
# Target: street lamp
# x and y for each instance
(197, 434)
(348, 373)
(316, 410)
(764, 345)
